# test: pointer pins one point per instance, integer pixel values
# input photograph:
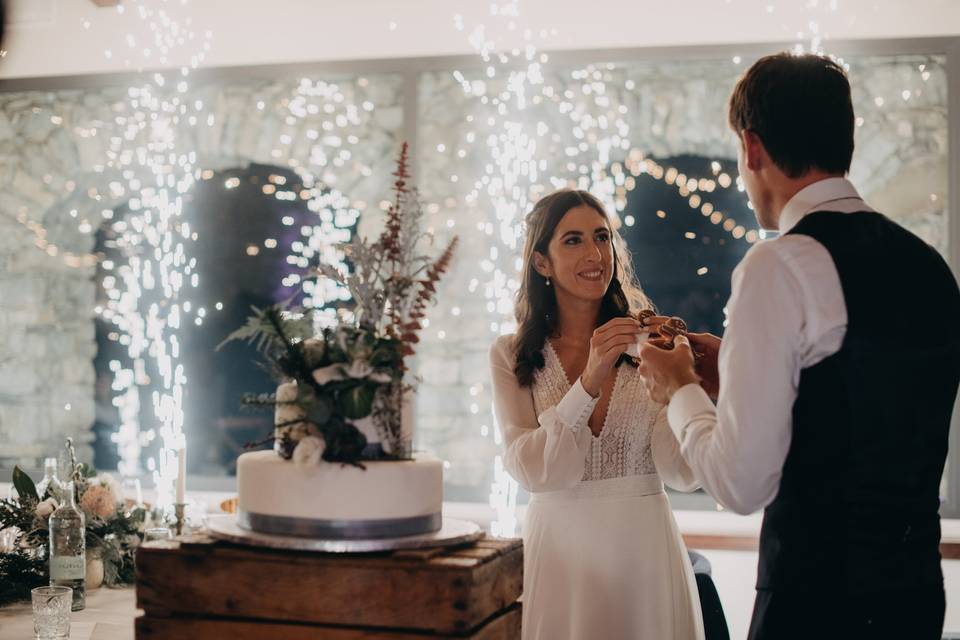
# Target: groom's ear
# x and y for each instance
(754, 153)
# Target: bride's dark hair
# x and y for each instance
(536, 308)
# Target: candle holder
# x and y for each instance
(179, 510)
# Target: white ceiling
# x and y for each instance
(48, 37)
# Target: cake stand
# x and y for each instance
(453, 532)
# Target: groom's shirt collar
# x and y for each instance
(829, 194)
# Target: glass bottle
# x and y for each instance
(68, 562)
(50, 480)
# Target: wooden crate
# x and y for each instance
(197, 587)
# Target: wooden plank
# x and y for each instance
(503, 626)
(476, 552)
(449, 592)
(420, 555)
(495, 583)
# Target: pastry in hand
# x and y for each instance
(670, 329)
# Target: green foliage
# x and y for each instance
(270, 330)
(356, 363)
(258, 401)
(24, 485)
(19, 573)
(356, 402)
(113, 539)
(17, 513)
(318, 408)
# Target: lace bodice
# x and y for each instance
(623, 447)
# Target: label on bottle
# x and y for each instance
(68, 567)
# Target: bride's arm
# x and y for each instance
(544, 453)
(671, 466)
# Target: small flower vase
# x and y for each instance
(94, 577)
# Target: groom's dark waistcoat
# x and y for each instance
(857, 508)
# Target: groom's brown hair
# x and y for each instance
(800, 107)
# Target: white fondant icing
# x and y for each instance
(270, 485)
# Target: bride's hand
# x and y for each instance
(606, 346)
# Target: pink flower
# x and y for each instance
(45, 508)
(98, 501)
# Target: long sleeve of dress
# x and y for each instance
(667, 458)
(546, 452)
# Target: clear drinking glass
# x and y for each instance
(51, 612)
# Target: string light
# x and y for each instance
(636, 165)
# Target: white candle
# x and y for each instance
(182, 475)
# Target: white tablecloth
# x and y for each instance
(108, 616)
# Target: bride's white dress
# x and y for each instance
(603, 558)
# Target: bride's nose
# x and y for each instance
(594, 252)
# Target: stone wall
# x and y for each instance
(51, 162)
(58, 185)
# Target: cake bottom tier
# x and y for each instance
(333, 501)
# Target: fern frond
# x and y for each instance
(269, 329)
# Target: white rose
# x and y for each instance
(45, 508)
(309, 451)
(328, 374)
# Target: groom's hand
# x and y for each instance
(707, 347)
(665, 372)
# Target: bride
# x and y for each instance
(602, 554)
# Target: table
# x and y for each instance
(109, 616)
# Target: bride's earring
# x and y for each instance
(548, 281)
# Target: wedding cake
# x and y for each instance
(306, 496)
(342, 465)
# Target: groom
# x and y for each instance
(835, 381)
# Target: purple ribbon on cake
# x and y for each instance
(340, 529)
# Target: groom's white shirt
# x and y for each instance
(786, 313)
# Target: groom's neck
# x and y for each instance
(784, 188)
